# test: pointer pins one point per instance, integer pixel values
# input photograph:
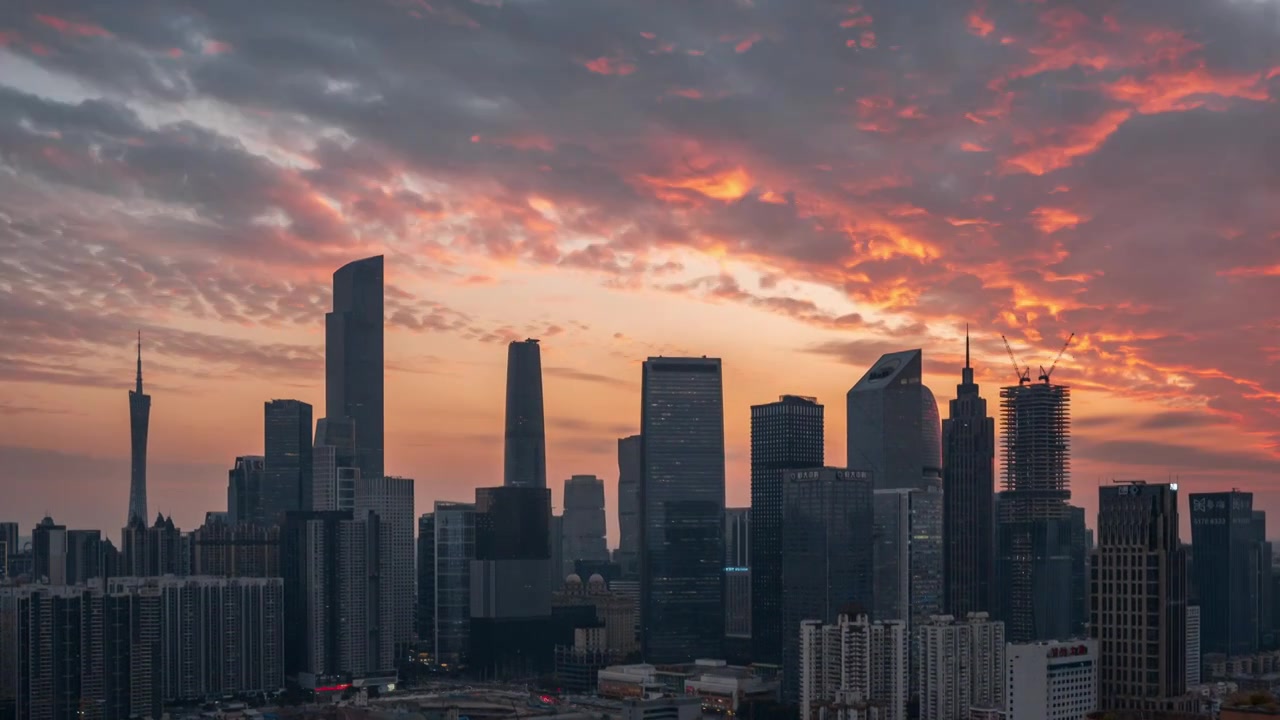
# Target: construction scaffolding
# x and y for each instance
(1035, 423)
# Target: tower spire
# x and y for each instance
(139, 362)
(966, 345)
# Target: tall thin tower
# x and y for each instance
(525, 458)
(353, 352)
(139, 420)
(968, 442)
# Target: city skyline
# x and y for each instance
(148, 193)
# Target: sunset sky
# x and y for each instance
(795, 186)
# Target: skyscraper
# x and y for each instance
(244, 490)
(1225, 574)
(826, 554)
(894, 432)
(629, 472)
(334, 469)
(785, 435)
(84, 556)
(286, 482)
(681, 509)
(1138, 593)
(1262, 570)
(455, 549)
(139, 418)
(1038, 548)
(49, 552)
(353, 353)
(426, 611)
(331, 565)
(584, 520)
(391, 499)
(969, 447)
(511, 630)
(525, 457)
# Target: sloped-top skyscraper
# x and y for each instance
(893, 424)
(968, 442)
(353, 358)
(525, 458)
(139, 420)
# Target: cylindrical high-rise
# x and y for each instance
(525, 458)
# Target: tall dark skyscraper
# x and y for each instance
(1038, 545)
(1262, 555)
(681, 509)
(525, 459)
(286, 485)
(968, 454)
(785, 435)
(139, 420)
(1224, 571)
(895, 433)
(826, 554)
(244, 490)
(1138, 588)
(353, 352)
(629, 472)
(584, 520)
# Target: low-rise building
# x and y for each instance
(1056, 680)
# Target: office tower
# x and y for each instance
(391, 499)
(221, 549)
(681, 509)
(334, 470)
(1139, 565)
(286, 484)
(1193, 645)
(584, 520)
(737, 581)
(455, 548)
(893, 426)
(1054, 680)
(968, 452)
(84, 556)
(826, 553)
(961, 666)
(1225, 571)
(511, 630)
(8, 546)
(217, 636)
(49, 552)
(907, 554)
(525, 457)
(353, 358)
(139, 417)
(1262, 577)
(425, 620)
(331, 564)
(1038, 552)
(785, 435)
(894, 433)
(629, 472)
(152, 551)
(737, 537)
(244, 491)
(853, 668)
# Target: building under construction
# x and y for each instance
(1040, 536)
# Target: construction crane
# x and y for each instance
(1024, 375)
(1044, 374)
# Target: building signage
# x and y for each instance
(1072, 651)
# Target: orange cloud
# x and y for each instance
(71, 27)
(1060, 153)
(609, 66)
(853, 22)
(1264, 271)
(1050, 219)
(746, 43)
(727, 185)
(690, 93)
(1181, 90)
(973, 147)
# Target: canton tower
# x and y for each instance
(139, 416)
